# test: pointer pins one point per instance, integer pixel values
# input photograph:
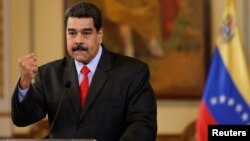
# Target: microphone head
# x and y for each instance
(67, 84)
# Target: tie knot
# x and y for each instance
(85, 70)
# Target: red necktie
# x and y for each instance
(84, 84)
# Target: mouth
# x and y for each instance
(79, 48)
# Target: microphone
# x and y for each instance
(67, 86)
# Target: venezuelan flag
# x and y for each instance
(226, 97)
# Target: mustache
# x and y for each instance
(80, 47)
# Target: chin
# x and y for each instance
(82, 59)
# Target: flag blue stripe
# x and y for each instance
(221, 96)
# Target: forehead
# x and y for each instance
(79, 23)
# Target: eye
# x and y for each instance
(71, 33)
(87, 34)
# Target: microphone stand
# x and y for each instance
(49, 136)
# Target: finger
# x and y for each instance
(28, 65)
(34, 70)
(33, 56)
(27, 58)
(30, 55)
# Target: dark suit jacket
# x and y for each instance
(120, 103)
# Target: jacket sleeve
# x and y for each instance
(31, 109)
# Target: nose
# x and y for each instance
(79, 39)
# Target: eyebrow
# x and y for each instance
(85, 29)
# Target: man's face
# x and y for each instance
(81, 31)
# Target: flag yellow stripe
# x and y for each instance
(233, 57)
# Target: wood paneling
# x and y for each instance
(1, 49)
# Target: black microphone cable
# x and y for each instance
(67, 85)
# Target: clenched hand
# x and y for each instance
(28, 65)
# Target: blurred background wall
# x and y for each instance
(37, 25)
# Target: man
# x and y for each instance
(120, 104)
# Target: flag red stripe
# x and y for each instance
(204, 119)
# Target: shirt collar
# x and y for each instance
(92, 65)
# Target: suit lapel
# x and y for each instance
(98, 81)
(74, 90)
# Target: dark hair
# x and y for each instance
(84, 10)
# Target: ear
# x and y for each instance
(100, 35)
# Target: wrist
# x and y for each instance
(24, 83)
